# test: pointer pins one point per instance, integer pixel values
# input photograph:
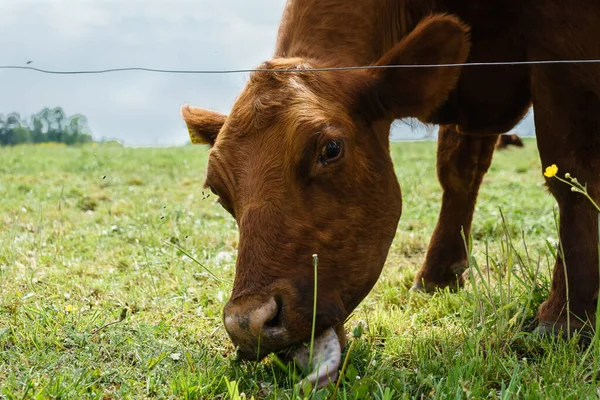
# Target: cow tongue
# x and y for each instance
(327, 355)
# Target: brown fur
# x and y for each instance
(266, 168)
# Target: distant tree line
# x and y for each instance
(49, 125)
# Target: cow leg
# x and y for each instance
(568, 131)
(462, 161)
(578, 235)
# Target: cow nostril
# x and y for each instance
(256, 325)
(275, 321)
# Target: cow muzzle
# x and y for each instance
(256, 326)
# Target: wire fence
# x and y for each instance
(303, 70)
(249, 70)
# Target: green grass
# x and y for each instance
(87, 239)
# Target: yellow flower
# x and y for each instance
(551, 171)
(69, 308)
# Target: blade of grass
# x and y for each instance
(197, 262)
(314, 316)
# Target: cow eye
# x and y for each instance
(331, 152)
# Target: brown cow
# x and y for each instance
(506, 140)
(302, 161)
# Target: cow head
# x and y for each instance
(302, 163)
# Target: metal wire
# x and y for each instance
(237, 71)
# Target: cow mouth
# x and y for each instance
(326, 358)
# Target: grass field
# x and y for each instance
(88, 238)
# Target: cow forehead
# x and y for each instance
(281, 95)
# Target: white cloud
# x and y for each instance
(134, 95)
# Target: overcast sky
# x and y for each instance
(137, 108)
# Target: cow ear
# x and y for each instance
(203, 125)
(415, 92)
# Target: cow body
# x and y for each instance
(302, 161)
(509, 140)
